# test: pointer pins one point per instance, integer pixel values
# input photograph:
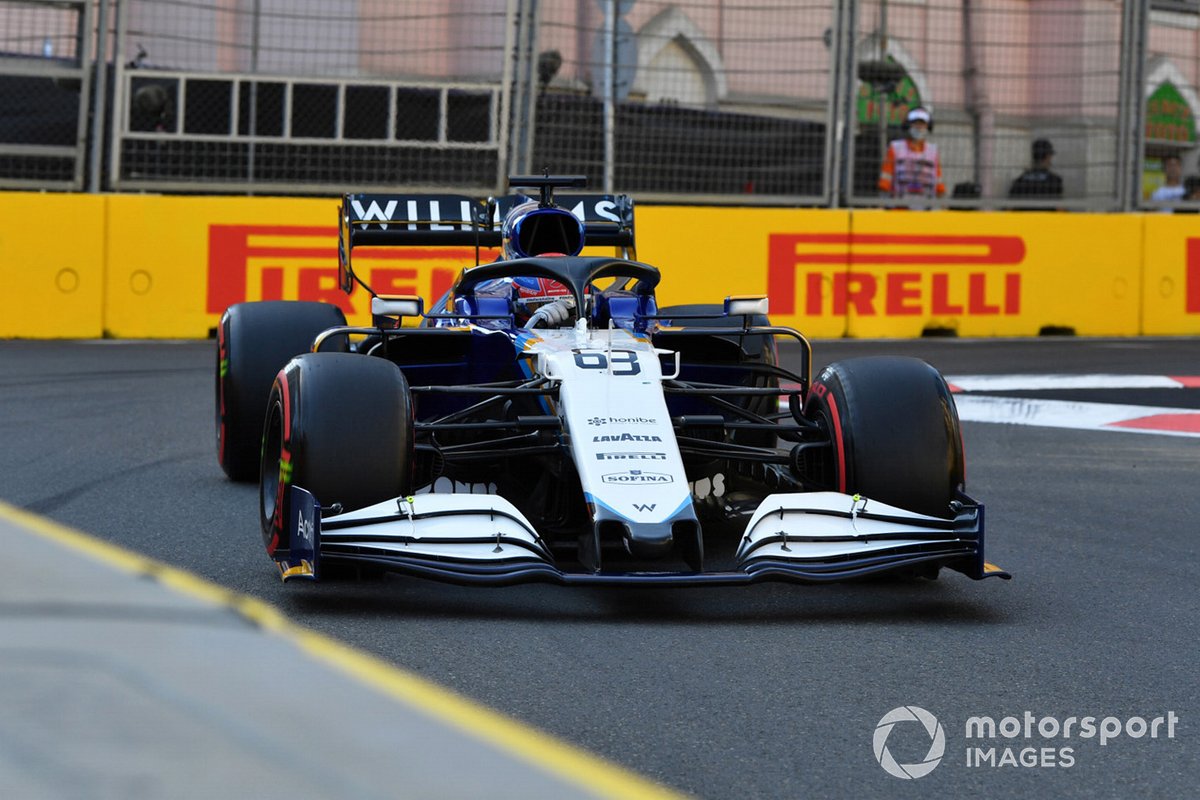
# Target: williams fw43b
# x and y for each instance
(545, 420)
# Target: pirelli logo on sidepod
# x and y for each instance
(299, 262)
(955, 276)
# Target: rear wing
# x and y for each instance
(446, 220)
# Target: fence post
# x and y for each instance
(610, 127)
(116, 120)
(86, 56)
(835, 118)
(99, 101)
(1132, 107)
(512, 131)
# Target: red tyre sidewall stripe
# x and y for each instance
(284, 455)
(962, 451)
(838, 439)
(222, 357)
(286, 393)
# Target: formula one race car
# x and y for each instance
(545, 420)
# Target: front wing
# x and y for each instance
(483, 539)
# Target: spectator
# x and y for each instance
(966, 190)
(1038, 181)
(1173, 187)
(1191, 194)
(912, 167)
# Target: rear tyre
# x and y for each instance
(894, 430)
(340, 426)
(254, 340)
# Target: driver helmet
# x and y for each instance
(533, 230)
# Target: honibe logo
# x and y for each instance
(928, 726)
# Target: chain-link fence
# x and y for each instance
(721, 100)
(1077, 104)
(45, 84)
(1025, 97)
(307, 96)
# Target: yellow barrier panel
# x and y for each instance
(51, 265)
(989, 274)
(1171, 275)
(708, 253)
(140, 265)
(178, 262)
(897, 274)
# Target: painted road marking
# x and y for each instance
(1026, 383)
(1081, 416)
(974, 407)
(539, 750)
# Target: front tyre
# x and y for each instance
(894, 432)
(340, 426)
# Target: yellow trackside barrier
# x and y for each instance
(898, 273)
(1170, 274)
(51, 265)
(990, 274)
(144, 265)
(164, 256)
(708, 253)
(176, 263)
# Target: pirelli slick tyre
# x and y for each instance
(894, 432)
(340, 426)
(254, 340)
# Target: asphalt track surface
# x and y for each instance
(764, 691)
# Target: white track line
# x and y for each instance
(1067, 414)
(1080, 416)
(1018, 383)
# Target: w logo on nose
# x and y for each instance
(644, 507)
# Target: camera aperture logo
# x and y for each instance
(1010, 741)
(927, 723)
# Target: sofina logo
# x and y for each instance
(637, 476)
(932, 729)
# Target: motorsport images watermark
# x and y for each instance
(1004, 742)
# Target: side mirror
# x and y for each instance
(746, 304)
(401, 305)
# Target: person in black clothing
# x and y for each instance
(1191, 195)
(1038, 181)
(1191, 187)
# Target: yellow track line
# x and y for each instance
(529, 745)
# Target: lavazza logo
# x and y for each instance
(1018, 741)
(626, 437)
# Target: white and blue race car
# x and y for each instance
(547, 421)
